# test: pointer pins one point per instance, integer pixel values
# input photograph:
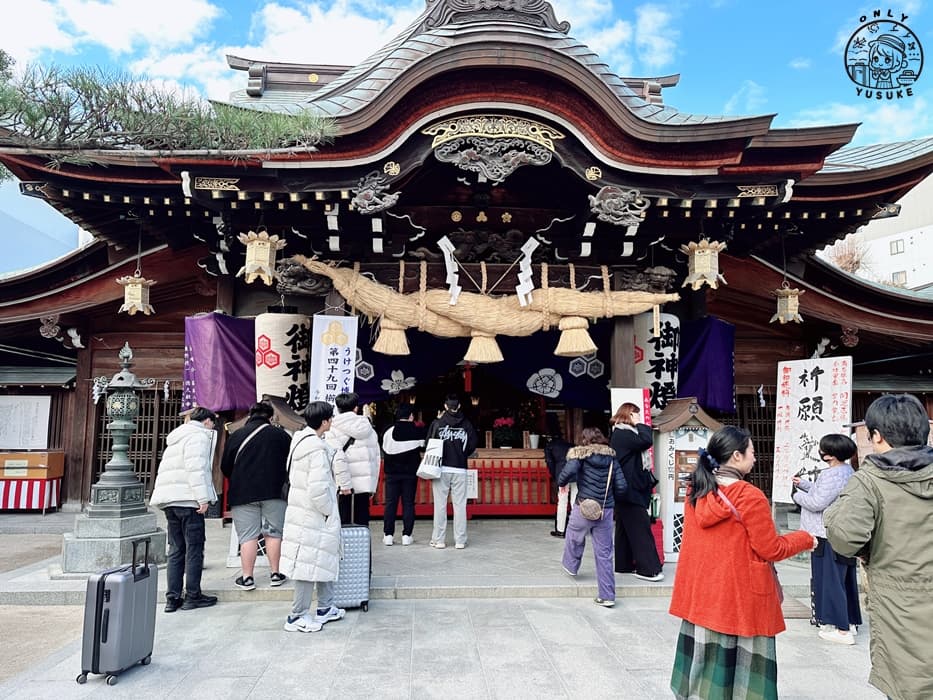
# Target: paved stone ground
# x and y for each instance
(496, 620)
(466, 648)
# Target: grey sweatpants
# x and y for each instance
(304, 596)
(454, 483)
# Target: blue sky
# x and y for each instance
(734, 56)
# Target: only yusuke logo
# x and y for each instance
(884, 58)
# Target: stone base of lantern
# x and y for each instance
(106, 543)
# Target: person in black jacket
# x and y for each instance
(596, 470)
(555, 456)
(460, 440)
(255, 462)
(636, 552)
(402, 445)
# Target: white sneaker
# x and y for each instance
(438, 545)
(388, 540)
(831, 634)
(406, 540)
(853, 629)
(655, 578)
(304, 623)
(460, 545)
(329, 615)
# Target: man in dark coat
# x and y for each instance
(402, 445)
(255, 463)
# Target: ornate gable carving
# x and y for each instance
(536, 13)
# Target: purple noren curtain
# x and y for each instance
(219, 372)
(707, 363)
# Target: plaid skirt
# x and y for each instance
(714, 666)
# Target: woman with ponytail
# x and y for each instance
(725, 590)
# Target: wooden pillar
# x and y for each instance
(225, 295)
(81, 432)
(622, 356)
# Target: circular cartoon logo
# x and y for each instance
(884, 57)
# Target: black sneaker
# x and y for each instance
(557, 533)
(276, 579)
(245, 584)
(202, 601)
(172, 604)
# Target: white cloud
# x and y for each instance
(34, 28)
(582, 14)
(613, 45)
(118, 26)
(750, 98)
(881, 121)
(655, 38)
(799, 63)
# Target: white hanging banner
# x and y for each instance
(282, 342)
(814, 398)
(333, 356)
(656, 357)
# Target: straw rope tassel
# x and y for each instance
(392, 340)
(574, 338)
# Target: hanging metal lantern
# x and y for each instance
(136, 294)
(260, 256)
(788, 304)
(703, 262)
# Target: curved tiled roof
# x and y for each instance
(543, 48)
(851, 159)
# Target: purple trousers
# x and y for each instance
(575, 542)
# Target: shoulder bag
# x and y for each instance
(590, 508)
(430, 467)
(735, 512)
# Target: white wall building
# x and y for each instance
(898, 250)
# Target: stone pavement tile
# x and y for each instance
(362, 682)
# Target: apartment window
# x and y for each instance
(899, 277)
(897, 246)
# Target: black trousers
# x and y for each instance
(185, 530)
(635, 548)
(355, 505)
(404, 488)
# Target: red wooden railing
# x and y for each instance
(507, 485)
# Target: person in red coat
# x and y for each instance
(726, 590)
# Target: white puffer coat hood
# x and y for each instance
(311, 537)
(363, 455)
(185, 470)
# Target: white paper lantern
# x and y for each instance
(282, 357)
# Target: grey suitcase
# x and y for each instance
(351, 590)
(119, 617)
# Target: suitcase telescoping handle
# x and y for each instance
(141, 569)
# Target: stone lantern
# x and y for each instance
(119, 492)
(117, 513)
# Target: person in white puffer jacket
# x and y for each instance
(311, 536)
(353, 434)
(183, 490)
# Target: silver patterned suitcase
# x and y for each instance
(119, 617)
(351, 590)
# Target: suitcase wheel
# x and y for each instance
(111, 680)
(82, 678)
(147, 660)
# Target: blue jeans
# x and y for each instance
(575, 543)
(185, 528)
